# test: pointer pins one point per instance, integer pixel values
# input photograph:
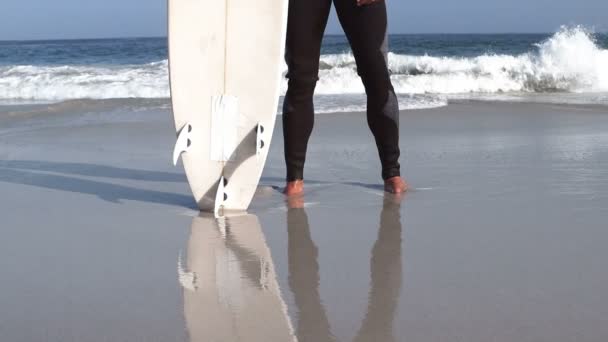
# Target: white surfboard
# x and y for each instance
(225, 60)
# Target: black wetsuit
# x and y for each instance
(366, 31)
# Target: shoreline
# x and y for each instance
(125, 104)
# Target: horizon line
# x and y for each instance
(327, 34)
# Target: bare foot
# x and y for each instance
(294, 188)
(395, 185)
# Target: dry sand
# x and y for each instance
(503, 237)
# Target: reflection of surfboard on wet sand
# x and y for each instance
(230, 288)
(225, 60)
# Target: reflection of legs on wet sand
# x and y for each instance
(230, 287)
(386, 278)
(312, 323)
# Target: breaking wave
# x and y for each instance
(569, 61)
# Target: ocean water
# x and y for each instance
(568, 66)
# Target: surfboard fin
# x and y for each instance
(220, 197)
(260, 144)
(183, 142)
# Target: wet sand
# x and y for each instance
(503, 237)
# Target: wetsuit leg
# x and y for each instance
(307, 20)
(366, 30)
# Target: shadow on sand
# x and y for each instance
(93, 170)
(32, 173)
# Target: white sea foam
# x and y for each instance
(55, 83)
(358, 102)
(569, 61)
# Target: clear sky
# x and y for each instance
(46, 19)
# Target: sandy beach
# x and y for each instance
(502, 238)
